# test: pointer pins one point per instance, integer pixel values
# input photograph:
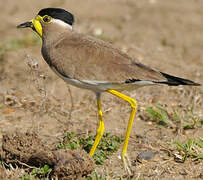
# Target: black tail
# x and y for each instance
(175, 81)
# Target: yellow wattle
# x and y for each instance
(36, 23)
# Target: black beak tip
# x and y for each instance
(25, 25)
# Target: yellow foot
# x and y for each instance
(126, 163)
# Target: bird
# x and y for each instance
(90, 63)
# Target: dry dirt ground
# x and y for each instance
(166, 35)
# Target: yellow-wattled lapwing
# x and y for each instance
(93, 64)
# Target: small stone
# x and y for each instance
(152, 1)
(146, 155)
(10, 100)
(97, 32)
(178, 157)
(33, 64)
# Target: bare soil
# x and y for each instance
(27, 149)
(166, 35)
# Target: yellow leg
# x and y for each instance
(101, 128)
(133, 104)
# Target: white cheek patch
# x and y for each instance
(61, 23)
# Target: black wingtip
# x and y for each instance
(176, 81)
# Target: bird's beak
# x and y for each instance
(34, 24)
(25, 25)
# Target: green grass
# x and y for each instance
(107, 146)
(38, 173)
(191, 120)
(192, 148)
(96, 176)
(15, 44)
(159, 113)
(26, 177)
(188, 120)
(41, 172)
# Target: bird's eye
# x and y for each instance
(47, 19)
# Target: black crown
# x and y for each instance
(58, 13)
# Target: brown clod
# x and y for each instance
(73, 164)
(26, 148)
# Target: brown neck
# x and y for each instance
(53, 32)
